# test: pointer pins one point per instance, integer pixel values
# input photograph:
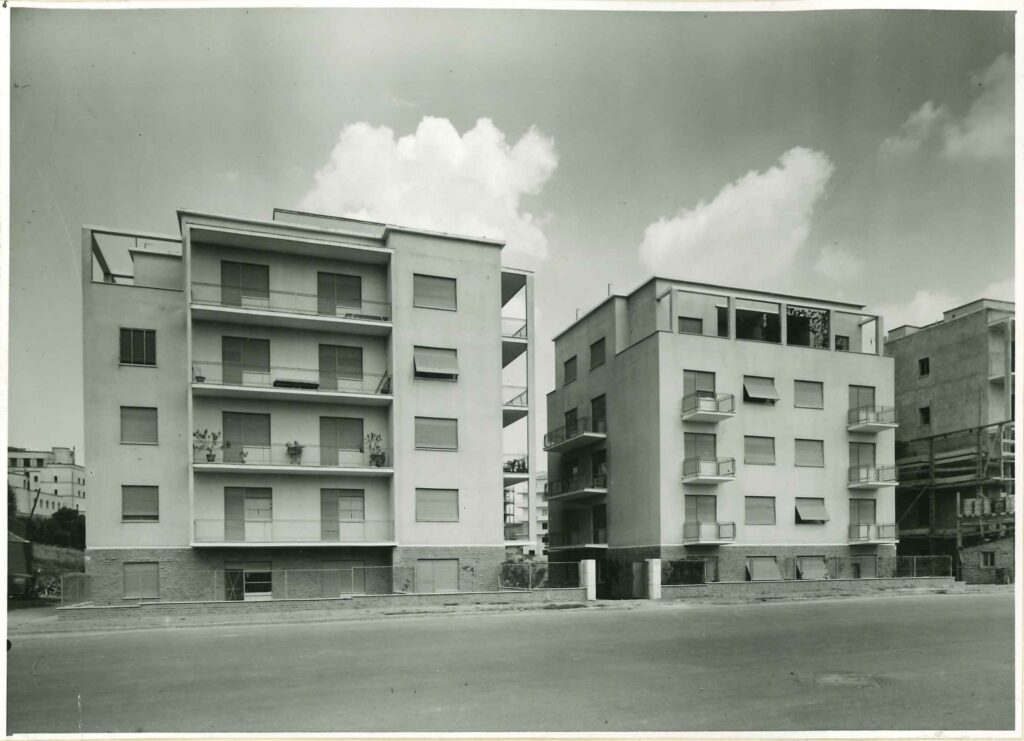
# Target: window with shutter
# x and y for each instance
(248, 432)
(435, 433)
(437, 505)
(245, 360)
(862, 397)
(862, 455)
(759, 390)
(138, 346)
(141, 580)
(759, 510)
(691, 325)
(701, 508)
(597, 353)
(810, 453)
(436, 362)
(811, 510)
(569, 371)
(809, 394)
(763, 568)
(434, 292)
(437, 575)
(700, 445)
(138, 425)
(339, 434)
(244, 284)
(698, 382)
(339, 294)
(862, 511)
(759, 450)
(340, 365)
(140, 504)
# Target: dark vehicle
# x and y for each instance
(21, 578)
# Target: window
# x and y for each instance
(700, 508)
(138, 346)
(597, 413)
(759, 390)
(569, 371)
(436, 362)
(12, 462)
(701, 445)
(437, 575)
(341, 367)
(759, 451)
(808, 394)
(809, 453)
(701, 383)
(571, 424)
(435, 433)
(862, 397)
(810, 567)
(248, 513)
(758, 321)
(807, 327)
(141, 580)
(339, 507)
(244, 284)
(691, 325)
(39, 462)
(862, 511)
(55, 479)
(988, 559)
(923, 367)
(338, 295)
(246, 437)
(811, 511)
(437, 505)
(432, 292)
(924, 415)
(763, 568)
(340, 437)
(140, 504)
(597, 353)
(862, 455)
(249, 581)
(842, 343)
(759, 510)
(138, 426)
(246, 361)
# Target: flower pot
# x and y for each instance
(200, 379)
(211, 457)
(377, 460)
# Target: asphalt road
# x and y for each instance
(908, 662)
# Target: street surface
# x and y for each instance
(917, 662)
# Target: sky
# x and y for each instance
(864, 156)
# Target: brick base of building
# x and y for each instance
(479, 566)
(995, 569)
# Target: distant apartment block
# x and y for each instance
(47, 479)
(306, 394)
(955, 447)
(753, 430)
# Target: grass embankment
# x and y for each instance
(53, 560)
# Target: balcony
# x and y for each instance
(871, 477)
(218, 303)
(286, 532)
(515, 468)
(708, 470)
(513, 339)
(871, 419)
(287, 458)
(886, 533)
(515, 404)
(706, 406)
(578, 487)
(708, 533)
(578, 435)
(287, 383)
(596, 538)
(516, 531)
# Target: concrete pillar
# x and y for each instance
(653, 578)
(783, 326)
(588, 577)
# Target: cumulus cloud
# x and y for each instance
(437, 179)
(761, 219)
(986, 131)
(914, 132)
(837, 264)
(927, 306)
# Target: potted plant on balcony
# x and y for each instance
(373, 447)
(197, 374)
(208, 441)
(294, 451)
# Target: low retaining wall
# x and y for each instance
(272, 607)
(825, 587)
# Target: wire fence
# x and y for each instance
(539, 575)
(807, 568)
(915, 566)
(75, 589)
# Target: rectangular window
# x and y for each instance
(809, 394)
(862, 511)
(437, 505)
(810, 567)
(338, 295)
(138, 346)
(701, 508)
(759, 451)
(246, 361)
(810, 453)
(691, 325)
(249, 581)
(811, 511)
(988, 559)
(433, 292)
(759, 510)
(759, 390)
(698, 382)
(337, 507)
(339, 438)
(246, 437)
(862, 397)
(763, 568)
(862, 455)
(340, 367)
(597, 353)
(436, 433)
(924, 415)
(244, 284)
(569, 371)
(842, 343)
(437, 575)
(138, 426)
(140, 504)
(923, 367)
(141, 580)
(248, 513)
(571, 424)
(597, 413)
(807, 327)
(701, 445)
(758, 321)
(436, 362)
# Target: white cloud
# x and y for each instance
(759, 222)
(986, 132)
(436, 179)
(837, 264)
(927, 306)
(914, 132)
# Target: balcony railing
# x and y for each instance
(709, 468)
(597, 536)
(288, 302)
(516, 463)
(872, 475)
(708, 402)
(701, 532)
(284, 454)
(513, 328)
(885, 416)
(583, 425)
(577, 483)
(283, 530)
(872, 533)
(288, 377)
(517, 530)
(515, 396)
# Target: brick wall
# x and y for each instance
(973, 572)
(749, 589)
(479, 566)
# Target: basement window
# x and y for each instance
(763, 568)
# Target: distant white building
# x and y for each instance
(50, 478)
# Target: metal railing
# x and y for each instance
(595, 536)
(581, 426)
(689, 571)
(922, 566)
(515, 396)
(864, 533)
(709, 401)
(577, 483)
(288, 377)
(872, 415)
(288, 302)
(515, 463)
(708, 531)
(292, 530)
(872, 475)
(286, 454)
(528, 576)
(75, 589)
(698, 467)
(517, 530)
(513, 328)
